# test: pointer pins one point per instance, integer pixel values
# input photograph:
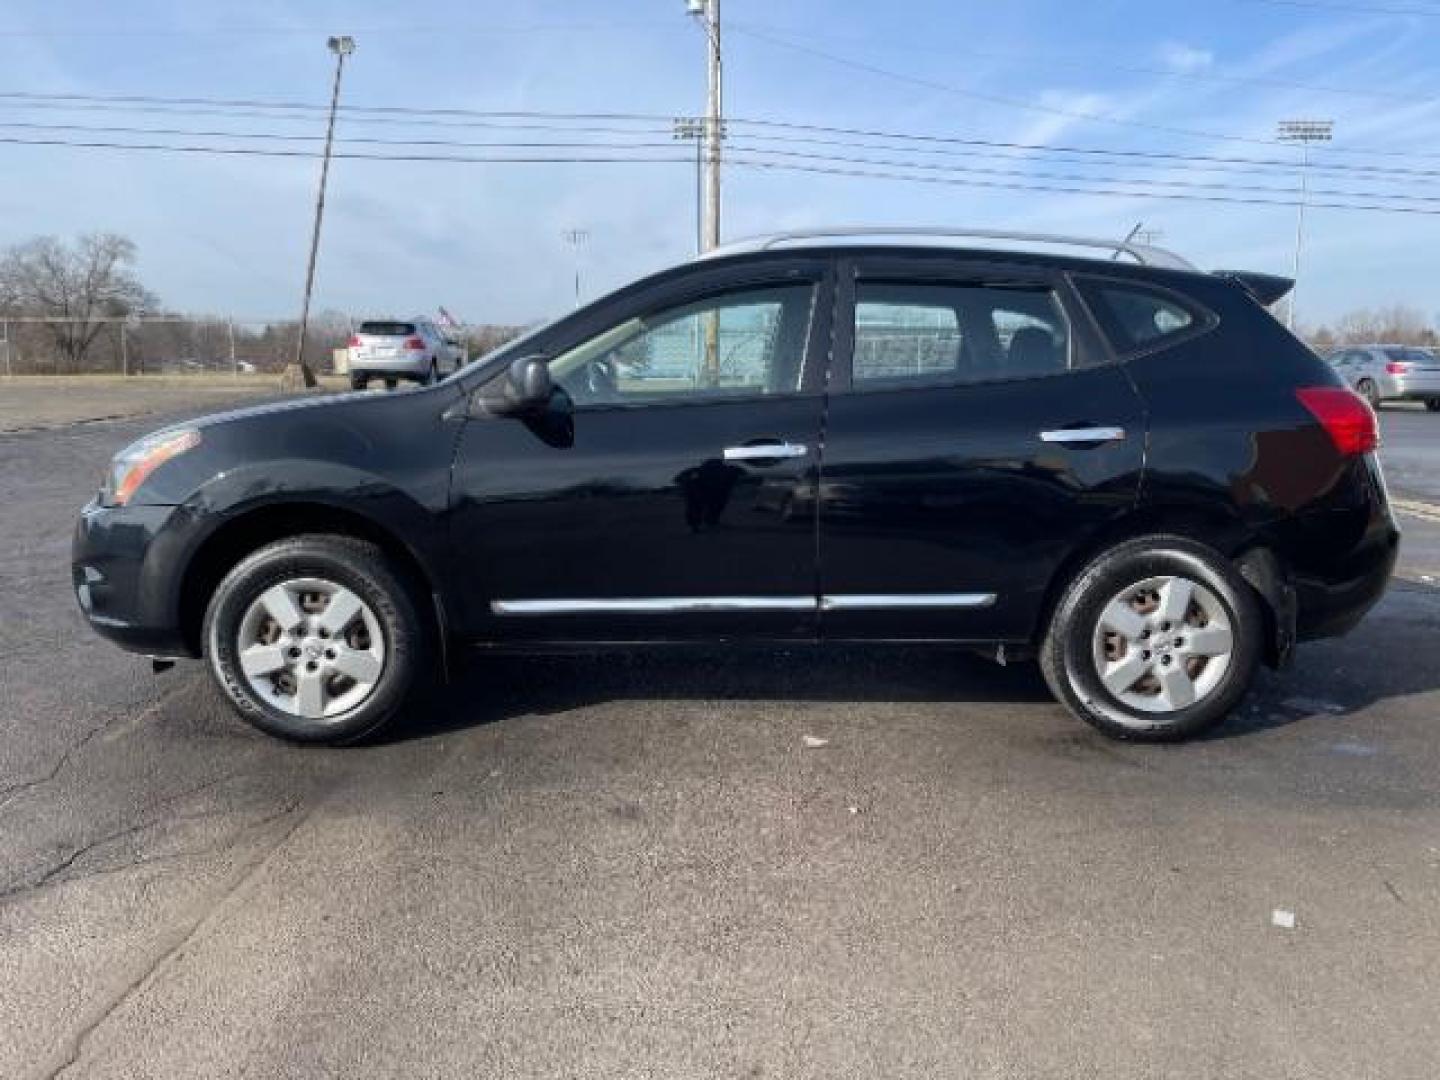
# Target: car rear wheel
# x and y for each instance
(1433, 404)
(315, 639)
(1370, 392)
(359, 382)
(1156, 640)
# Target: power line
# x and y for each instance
(1089, 63)
(762, 159)
(448, 29)
(662, 121)
(1193, 164)
(1064, 190)
(995, 99)
(257, 151)
(1072, 178)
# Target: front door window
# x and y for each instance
(749, 343)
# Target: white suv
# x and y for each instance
(393, 350)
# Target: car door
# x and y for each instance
(669, 494)
(976, 436)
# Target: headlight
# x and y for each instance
(137, 461)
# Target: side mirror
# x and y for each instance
(526, 388)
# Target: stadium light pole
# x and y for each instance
(342, 47)
(1303, 132)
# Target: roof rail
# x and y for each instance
(1144, 254)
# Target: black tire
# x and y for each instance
(390, 384)
(1068, 653)
(1433, 404)
(355, 565)
(359, 382)
(1370, 392)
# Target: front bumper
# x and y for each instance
(118, 570)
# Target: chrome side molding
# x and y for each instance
(901, 601)
(1083, 435)
(659, 605)
(674, 605)
(765, 452)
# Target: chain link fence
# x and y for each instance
(35, 345)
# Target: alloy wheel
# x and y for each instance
(1163, 644)
(311, 648)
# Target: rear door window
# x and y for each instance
(1135, 317)
(917, 333)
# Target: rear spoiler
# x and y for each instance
(1266, 288)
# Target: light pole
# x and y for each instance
(577, 239)
(1303, 132)
(342, 47)
(707, 12)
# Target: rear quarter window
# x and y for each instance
(1137, 317)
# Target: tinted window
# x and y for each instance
(1408, 355)
(739, 344)
(388, 329)
(1135, 317)
(915, 333)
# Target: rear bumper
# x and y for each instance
(1418, 387)
(1331, 607)
(413, 367)
(116, 569)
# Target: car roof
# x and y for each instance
(1014, 256)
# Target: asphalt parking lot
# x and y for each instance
(636, 866)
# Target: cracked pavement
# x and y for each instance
(634, 865)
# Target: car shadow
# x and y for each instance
(485, 688)
(1330, 679)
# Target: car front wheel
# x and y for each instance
(1156, 640)
(1433, 404)
(315, 639)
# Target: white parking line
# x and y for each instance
(1414, 508)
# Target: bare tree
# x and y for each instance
(80, 283)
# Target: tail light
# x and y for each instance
(417, 343)
(1344, 415)
(1397, 367)
(354, 341)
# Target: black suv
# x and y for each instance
(1130, 472)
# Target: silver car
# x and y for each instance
(392, 350)
(1382, 373)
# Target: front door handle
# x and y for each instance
(1083, 435)
(765, 452)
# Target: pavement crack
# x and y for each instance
(69, 1055)
(54, 872)
(9, 795)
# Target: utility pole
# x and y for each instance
(300, 372)
(692, 128)
(1303, 132)
(708, 14)
(577, 239)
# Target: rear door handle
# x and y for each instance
(765, 452)
(1083, 435)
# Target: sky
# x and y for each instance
(1193, 79)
